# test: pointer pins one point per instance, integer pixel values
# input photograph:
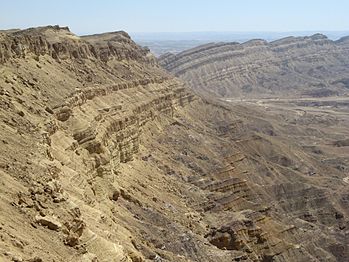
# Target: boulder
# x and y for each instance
(49, 222)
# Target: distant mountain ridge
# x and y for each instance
(298, 66)
(160, 43)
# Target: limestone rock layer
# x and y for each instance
(107, 157)
(293, 66)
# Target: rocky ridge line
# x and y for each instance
(311, 65)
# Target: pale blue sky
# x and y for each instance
(92, 16)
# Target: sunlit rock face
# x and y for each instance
(105, 156)
(293, 66)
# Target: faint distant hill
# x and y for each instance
(164, 42)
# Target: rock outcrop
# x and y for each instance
(107, 157)
(60, 43)
(293, 66)
(72, 109)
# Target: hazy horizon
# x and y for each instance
(203, 35)
(160, 43)
(156, 16)
(182, 24)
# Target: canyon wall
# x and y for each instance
(107, 157)
(293, 66)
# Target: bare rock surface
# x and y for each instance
(49, 222)
(294, 66)
(107, 157)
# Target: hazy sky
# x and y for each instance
(92, 16)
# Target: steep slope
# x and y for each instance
(106, 157)
(72, 112)
(293, 66)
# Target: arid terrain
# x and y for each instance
(106, 156)
(176, 42)
(294, 66)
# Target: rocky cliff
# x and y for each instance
(72, 106)
(293, 66)
(107, 157)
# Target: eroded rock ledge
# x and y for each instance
(310, 66)
(72, 109)
(107, 157)
(60, 43)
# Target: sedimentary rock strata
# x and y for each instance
(107, 157)
(307, 66)
(75, 107)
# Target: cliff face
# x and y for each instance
(60, 43)
(107, 157)
(72, 110)
(308, 66)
